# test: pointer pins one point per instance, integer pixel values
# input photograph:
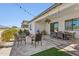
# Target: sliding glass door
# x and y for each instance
(54, 27)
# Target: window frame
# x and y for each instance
(72, 21)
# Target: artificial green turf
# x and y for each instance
(51, 52)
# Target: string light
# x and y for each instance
(25, 10)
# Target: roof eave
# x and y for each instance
(45, 11)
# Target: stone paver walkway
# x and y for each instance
(28, 49)
(66, 45)
(5, 51)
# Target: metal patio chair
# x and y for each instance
(38, 38)
(19, 38)
(60, 35)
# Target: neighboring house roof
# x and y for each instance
(3, 27)
(47, 10)
(24, 24)
(25, 21)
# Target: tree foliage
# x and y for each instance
(14, 26)
(8, 34)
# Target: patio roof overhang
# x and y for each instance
(52, 12)
(47, 10)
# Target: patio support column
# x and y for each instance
(47, 28)
(32, 26)
(61, 25)
(34, 29)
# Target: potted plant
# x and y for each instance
(44, 32)
(48, 20)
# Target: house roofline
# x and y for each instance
(45, 11)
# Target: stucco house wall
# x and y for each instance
(69, 13)
(59, 14)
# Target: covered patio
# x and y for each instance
(42, 25)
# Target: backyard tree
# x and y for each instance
(14, 26)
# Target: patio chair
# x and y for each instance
(60, 35)
(19, 39)
(23, 38)
(54, 34)
(71, 36)
(65, 34)
(38, 38)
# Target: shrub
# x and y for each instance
(8, 34)
(26, 32)
(44, 32)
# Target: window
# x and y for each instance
(25, 26)
(54, 27)
(72, 24)
(76, 24)
(68, 25)
(30, 27)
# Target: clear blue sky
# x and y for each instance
(12, 15)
